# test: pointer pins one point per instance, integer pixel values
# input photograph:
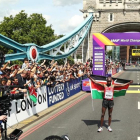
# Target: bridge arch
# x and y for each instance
(123, 27)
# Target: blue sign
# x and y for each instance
(63, 91)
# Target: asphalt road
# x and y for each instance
(80, 122)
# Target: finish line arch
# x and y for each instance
(101, 40)
(123, 27)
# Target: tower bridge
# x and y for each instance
(101, 16)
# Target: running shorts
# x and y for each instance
(107, 103)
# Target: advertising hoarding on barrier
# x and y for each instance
(114, 71)
(100, 40)
(46, 97)
(85, 85)
(23, 109)
(63, 91)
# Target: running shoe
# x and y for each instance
(100, 129)
(109, 129)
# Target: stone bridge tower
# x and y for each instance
(112, 16)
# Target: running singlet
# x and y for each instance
(108, 93)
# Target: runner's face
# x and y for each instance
(109, 81)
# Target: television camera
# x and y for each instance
(5, 106)
(53, 137)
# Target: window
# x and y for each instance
(111, 17)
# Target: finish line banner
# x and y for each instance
(100, 40)
(63, 91)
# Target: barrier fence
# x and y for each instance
(114, 71)
(46, 97)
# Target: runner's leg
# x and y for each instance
(109, 115)
(102, 116)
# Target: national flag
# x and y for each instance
(32, 94)
(97, 91)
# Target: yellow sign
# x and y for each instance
(135, 52)
(98, 62)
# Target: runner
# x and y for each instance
(108, 100)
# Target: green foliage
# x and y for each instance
(60, 62)
(79, 56)
(109, 53)
(70, 60)
(24, 29)
(17, 62)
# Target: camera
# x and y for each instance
(53, 137)
(5, 106)
(15, 134)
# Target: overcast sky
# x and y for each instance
(64, 15)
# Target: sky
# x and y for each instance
(63, 15)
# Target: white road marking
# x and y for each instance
(138, 105)
(138, 138)
(138, 89)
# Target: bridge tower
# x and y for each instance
(112, 16)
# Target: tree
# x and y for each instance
(109, 53)
(24, 29)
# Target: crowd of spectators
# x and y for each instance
(113, 65)
(35, 75)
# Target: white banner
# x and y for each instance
(23, 109)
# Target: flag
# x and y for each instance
(32, 94)
(97, 91)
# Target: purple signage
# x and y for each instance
(109, 39)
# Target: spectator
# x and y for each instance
(22, 79)
(25, 64)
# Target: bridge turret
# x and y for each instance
(111, 16)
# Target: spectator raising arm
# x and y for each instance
(4, 67)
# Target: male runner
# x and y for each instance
(108, 100)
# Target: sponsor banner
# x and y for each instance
(63, 91)
(23, 109)
(98, 56)
(85, 85)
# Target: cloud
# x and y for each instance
(66, 2)
(47, 17)
(8, 13)
(5, 8)
(8, 1)
(69, 25)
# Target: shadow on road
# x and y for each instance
(132, 70)
(97, 122)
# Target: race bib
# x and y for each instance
(108, 94)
